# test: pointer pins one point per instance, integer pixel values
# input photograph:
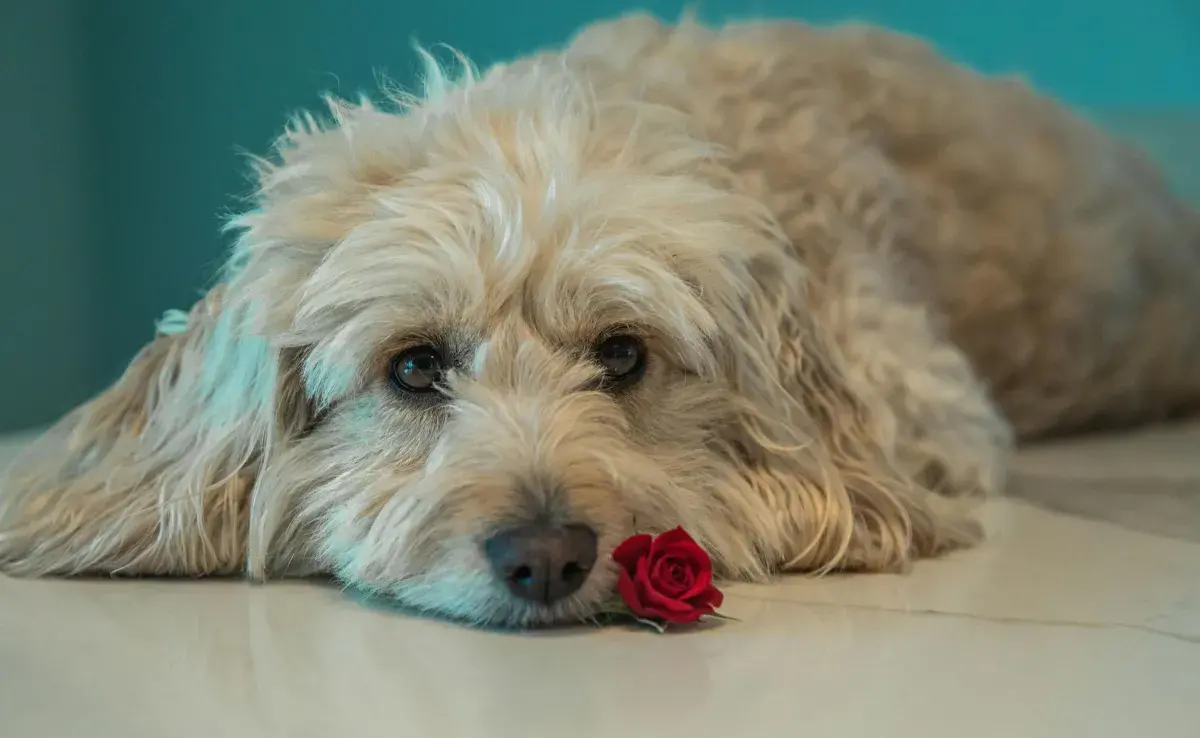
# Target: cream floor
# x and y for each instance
(1079, 617)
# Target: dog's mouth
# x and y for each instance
(587, 606)
(522, 617)
(502, 605)
(504, 614)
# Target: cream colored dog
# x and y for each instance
(792, 289)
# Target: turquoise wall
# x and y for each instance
(48, 259)
(165, 92)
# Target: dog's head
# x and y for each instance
(511, 308)
(461, 351)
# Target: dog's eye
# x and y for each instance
(417, 369)
(623, 358)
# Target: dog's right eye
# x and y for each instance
(418, 369)
(623, 358)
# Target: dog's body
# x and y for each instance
(851, 272)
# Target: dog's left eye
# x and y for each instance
(623, 358)
(418, 369)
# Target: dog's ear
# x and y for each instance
(155, 475)
(158, 474)
(816, 439)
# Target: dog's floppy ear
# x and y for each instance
(817, 441)
(157, 474)
(154, 476)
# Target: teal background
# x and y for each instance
(123, 120)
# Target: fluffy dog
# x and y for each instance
(797, 290)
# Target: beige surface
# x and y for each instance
(1079, 617)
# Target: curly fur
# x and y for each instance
(861, 270)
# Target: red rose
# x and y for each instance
(668, 577)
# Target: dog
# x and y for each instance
(797, 290)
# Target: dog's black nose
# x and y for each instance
(543, 563)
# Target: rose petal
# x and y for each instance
(679, 613)
(696, 557)
(650, 596)
(647, 587)
(670, 538)
(658, 567)
(631, 550)
(683, 578)
(696, 560)
(670, 577)
(690, 616)
(670, 608)
(629, 593)
(701, 579)
(659, 576)
(710, 598)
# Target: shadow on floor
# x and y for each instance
(1162, 507)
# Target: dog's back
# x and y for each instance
(1054, 254)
